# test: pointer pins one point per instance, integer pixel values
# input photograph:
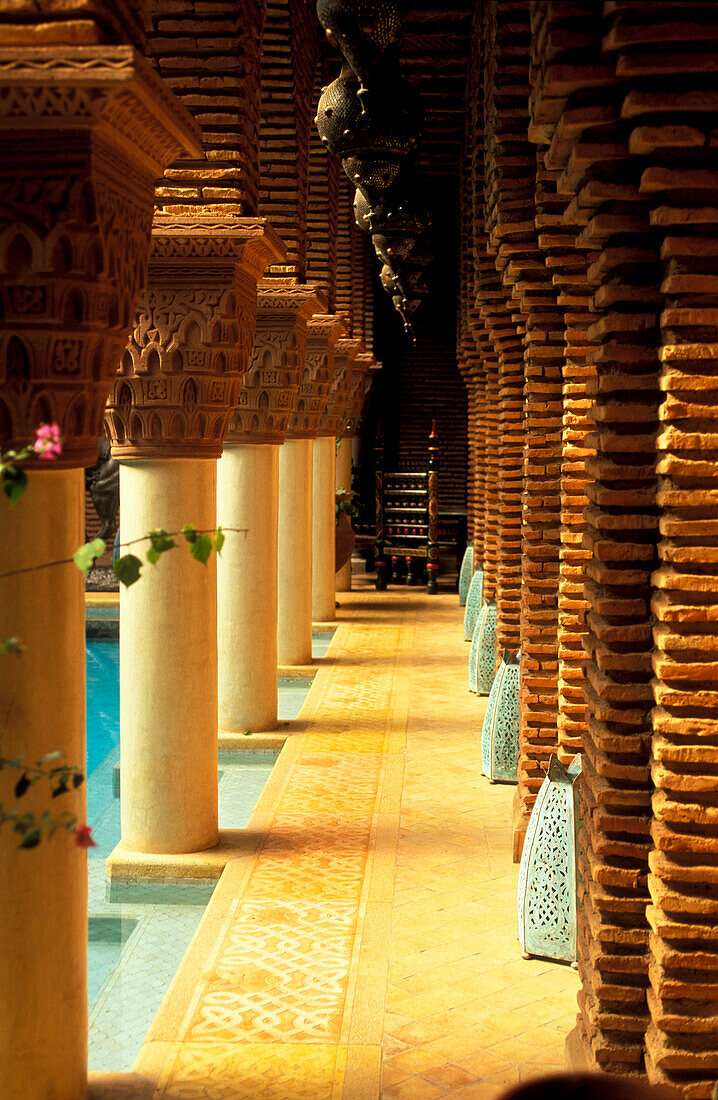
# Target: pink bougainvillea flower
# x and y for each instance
(48, 443)
(83, 836)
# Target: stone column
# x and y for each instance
(343, 482)
(323, 528)
(168, 664)
(84, 134)
(248, 498)
(43, 897)
(294, 629)
(333, 424)
(294, 632)
(177, 387)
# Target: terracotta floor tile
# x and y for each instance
(413, 1088)
(450, 1077)
(481, 1090)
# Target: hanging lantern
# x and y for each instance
(546, 899)
(500, 733)
(482, 658)
(373, 141)
(393, 248)
(389, 280)
(403, 207)
(465, 574)
(362, 29)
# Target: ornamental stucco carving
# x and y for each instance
(334, 417)
(363, 369)
(269, 389)
(180, 373)
(323, 331)
(85, 132)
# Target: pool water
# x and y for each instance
(103, 700)
(138, 934)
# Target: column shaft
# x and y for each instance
(168, 664)
(294, 633)
(43, 892)
(323, 529)
(247, 498)
(343, 481)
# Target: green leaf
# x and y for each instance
(22, 786)
(201, 548)
(31, 839)
(84, 557)
(219, 540)
(190, 532)
(247, 733)
(127, 569)
(161, 541)
(12, 645)
(153, 556)
(50, 756)
(14, 483)
(16, 761)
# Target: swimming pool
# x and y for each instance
(138, 934)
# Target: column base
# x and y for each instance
(274, 738)
(125, 867)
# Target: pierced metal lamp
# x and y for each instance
(465, 574)
(482, 657)
(546, 900)
(500, 733)
(474, 603)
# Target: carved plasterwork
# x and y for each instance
(364, 367)
(85, 131)
(323, 331)
(334, 417)
(179, 376)
(268, 391)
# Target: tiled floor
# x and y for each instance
(139, 936)
(466, 1015)
(366, 945)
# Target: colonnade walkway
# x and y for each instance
(362, 940)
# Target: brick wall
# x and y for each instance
(209, 55)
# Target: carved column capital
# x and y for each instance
(364, 367)
(334, 417)
(268, 391)
(180, 374)
(323, 331)
(85, 131)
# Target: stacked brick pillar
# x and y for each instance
(591, 147)
(567, 267)
(531, 399)
(495, 335)
(671, 109)
(506, 325)
(289, 59)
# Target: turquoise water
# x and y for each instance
(138, 934)
(103, 700)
